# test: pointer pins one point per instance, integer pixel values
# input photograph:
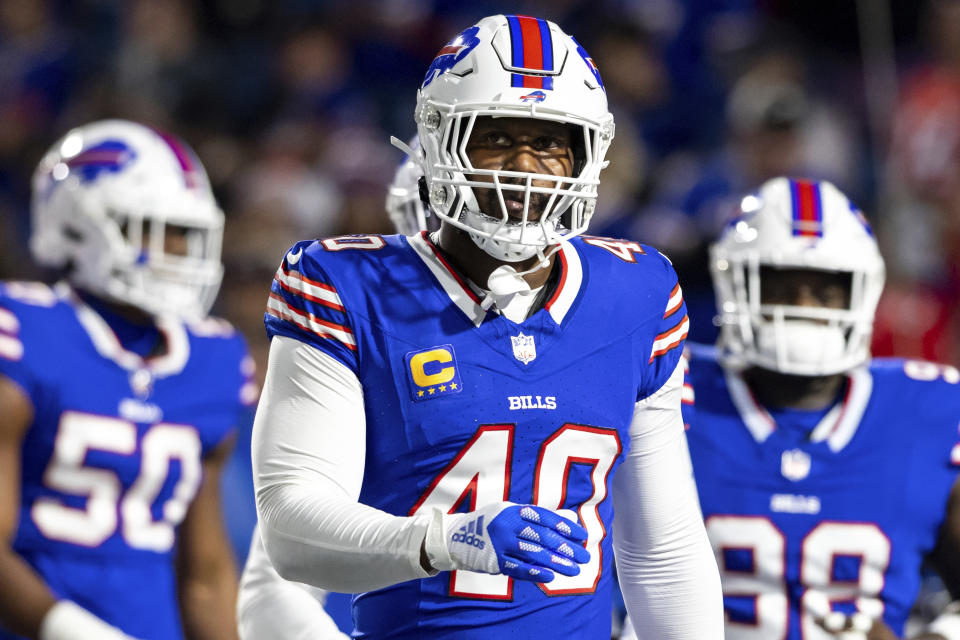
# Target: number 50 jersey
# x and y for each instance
(113, 457)
(465, 407)
(835, 515)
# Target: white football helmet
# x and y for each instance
(404, 206)
(111, 199)
(518, 67)
(799, 225)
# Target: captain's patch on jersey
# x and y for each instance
(433, 372)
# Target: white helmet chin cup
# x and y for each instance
(796, 224)
(800, 347)
(525, 241)
(486, 71)
(129, 211)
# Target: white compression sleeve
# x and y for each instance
(270, 607)
(309, 442)
(665, 564)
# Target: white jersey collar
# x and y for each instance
(836, 428)
(107, 344)
(460, 293)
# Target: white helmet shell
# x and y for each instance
(107, 200)
(517, 67)
(796, 224)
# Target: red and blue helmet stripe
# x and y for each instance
(532, 49)
(189, 164)
(807, 208)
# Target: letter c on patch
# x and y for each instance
(419, 362)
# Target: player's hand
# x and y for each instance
(521, 541)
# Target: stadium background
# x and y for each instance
(290, 105)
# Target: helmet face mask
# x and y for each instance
(128, 211)
(813, 232)
(512, 67)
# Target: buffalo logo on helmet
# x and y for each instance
(109, 156)
(534, 96)
(448, 57)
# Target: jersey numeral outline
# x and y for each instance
(363, 242)
(481, 473)
(929, 371)
(765, 582)
(98, 520)
(626, 250)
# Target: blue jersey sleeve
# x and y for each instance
(21, 327)
(305, 304)
(661, 346)
(12, 349)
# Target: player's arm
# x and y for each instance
(665, 564)
(270, 607)
(27, 606)
(25, 598)
(206, 574)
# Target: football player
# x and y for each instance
(268, 605)
(825, 478)
(450, 419)
(118, 397)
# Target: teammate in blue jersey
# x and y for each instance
(449, 420)
(117, 399)
(825, 478)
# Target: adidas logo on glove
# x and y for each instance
(471, 534)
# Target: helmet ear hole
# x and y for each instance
(422, 191)
(578, 146)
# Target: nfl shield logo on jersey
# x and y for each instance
(795, 464)
(524, 349)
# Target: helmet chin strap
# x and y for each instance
(505, 281)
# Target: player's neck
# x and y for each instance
(135, 329)
(785, 391)
(477, 264)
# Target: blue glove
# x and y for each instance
(522, 541)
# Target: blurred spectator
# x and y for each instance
(920, 228)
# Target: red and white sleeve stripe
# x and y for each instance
(278, 307)
(298, 284)
(675, 301)
(670, 338)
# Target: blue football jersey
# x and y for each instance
(818, 511)
(465, 408)
(113, 457)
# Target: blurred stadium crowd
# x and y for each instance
(290, 105)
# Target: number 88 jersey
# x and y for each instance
(812, 512)
(114, 454)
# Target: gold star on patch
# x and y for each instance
(453, 385)
(431, 390)
(420, 393)
(443, 387)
